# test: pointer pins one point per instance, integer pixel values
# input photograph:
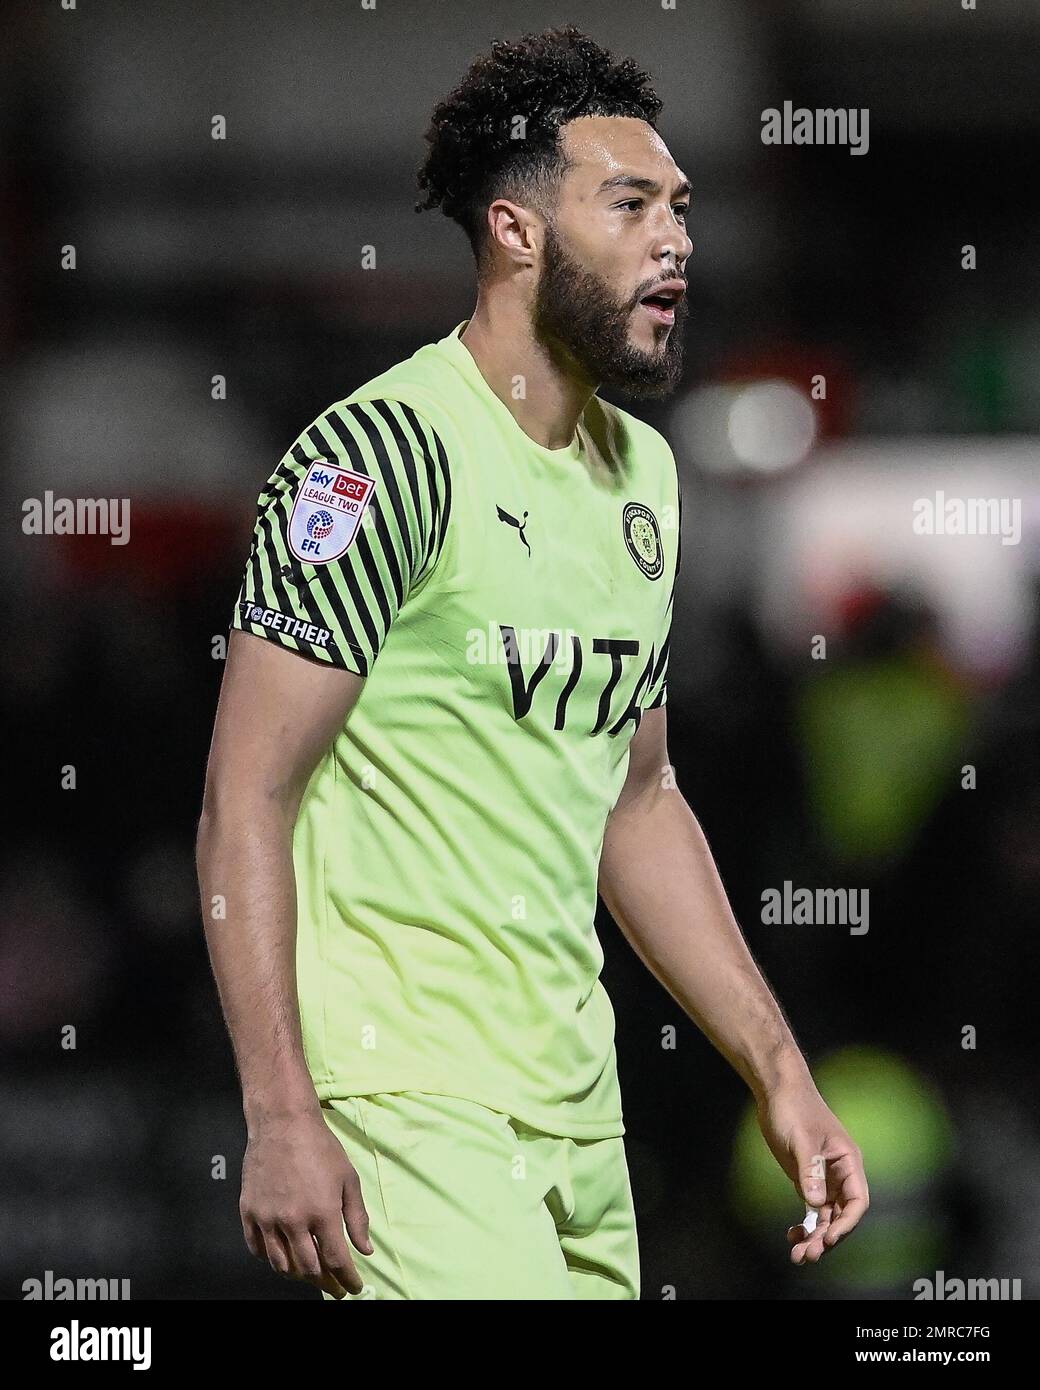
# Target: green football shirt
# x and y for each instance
(510, 607)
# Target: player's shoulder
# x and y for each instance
(390, 421)
(420, 383)
(393, 424)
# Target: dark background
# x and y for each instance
(241, 258)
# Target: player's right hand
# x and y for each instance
(298, 1190)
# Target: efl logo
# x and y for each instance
(328, 511)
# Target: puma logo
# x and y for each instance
(512, 521)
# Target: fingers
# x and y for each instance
(355, 1214)
(852, 1213)
(336, 1261)
(855, 1197)
(823, 1215)
(301, 1253)
(840, 1219)
(275, 1252)
(807, 1250)
(813, 1181)
(845, 1184)
(254, 1238)
(808, 1246)
(314, 1252)
(339, 1275)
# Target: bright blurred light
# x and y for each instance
(761, 427)
(772, 425)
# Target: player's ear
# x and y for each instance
(513, 231)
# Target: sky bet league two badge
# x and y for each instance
(327, 511)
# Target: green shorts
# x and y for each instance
(466, 1203)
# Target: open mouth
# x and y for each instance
(661, 303)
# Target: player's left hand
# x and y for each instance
(818, 1155)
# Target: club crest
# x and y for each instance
(643, 539)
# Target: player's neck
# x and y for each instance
(505, 348)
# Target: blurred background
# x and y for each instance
(174, 309)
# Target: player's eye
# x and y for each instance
(631, 203)
(681, 209)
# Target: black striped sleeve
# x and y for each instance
(349, 526)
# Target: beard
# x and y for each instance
(577, 317)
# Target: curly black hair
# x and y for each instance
(479, 151)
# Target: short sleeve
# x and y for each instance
(657, 691)
(349, 526)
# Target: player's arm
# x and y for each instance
(276, 717)
(350, 524)
(660, 883)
